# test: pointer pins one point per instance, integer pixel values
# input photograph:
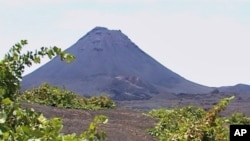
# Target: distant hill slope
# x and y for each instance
(239, 89)
(108, 61)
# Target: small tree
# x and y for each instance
(18, 124)
(13, 64)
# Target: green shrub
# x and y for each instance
(195, 124)
(19, 124)
(55, 96)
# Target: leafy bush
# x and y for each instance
(174, 122)
(19, 124)
(54, 96)
(195, 124)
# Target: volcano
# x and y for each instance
(107, 61)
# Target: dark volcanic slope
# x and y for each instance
(242, 89)
(107, 61)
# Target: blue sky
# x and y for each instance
(205, 41)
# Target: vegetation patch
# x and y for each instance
(54, 96)
(195, 124)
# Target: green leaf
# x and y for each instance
(34, 139)
(3, 117)
(6, 101)
(37, 60)
(24, 42)
(42, 119)
(105, 121)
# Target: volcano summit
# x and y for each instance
(107, 61)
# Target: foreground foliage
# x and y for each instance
(19, 124)
(55, 96)
(195, 124)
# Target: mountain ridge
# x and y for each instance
(240, 88)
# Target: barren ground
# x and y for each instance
(123, 124)
(128, 123)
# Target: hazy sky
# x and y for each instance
(205, 41)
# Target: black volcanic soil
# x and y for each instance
(127, 122)
(123, 124)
